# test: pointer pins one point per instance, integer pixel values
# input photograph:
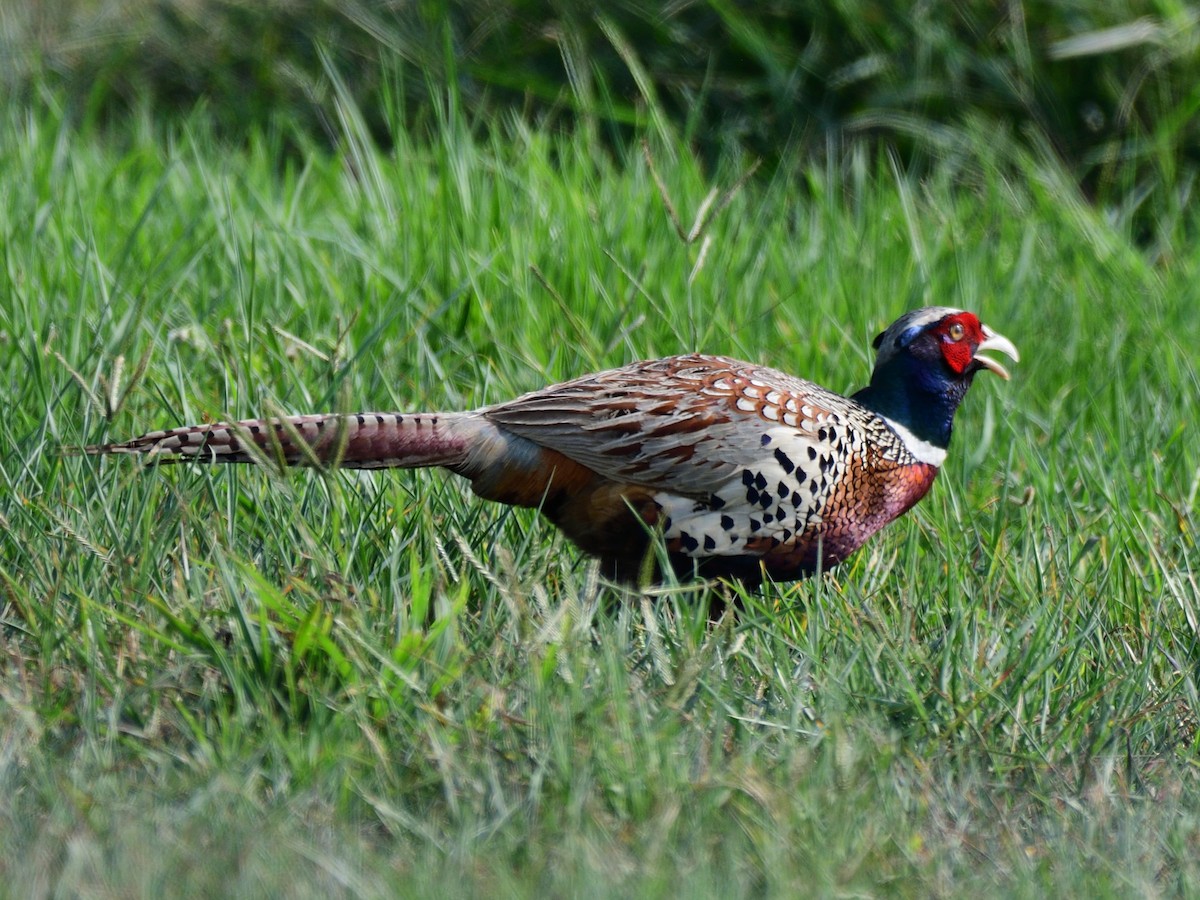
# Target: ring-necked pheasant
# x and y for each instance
(744, 470)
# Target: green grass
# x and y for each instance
(241, 681)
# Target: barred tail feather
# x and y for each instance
(355, 440)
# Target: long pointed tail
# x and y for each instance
(355, 440)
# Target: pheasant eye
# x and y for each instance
(957, 332)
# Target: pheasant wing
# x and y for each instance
(687, 425)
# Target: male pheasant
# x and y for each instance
(745, 471)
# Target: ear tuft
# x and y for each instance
(908, 336)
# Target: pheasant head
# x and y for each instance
(925, 362)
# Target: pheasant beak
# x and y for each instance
(994, 341)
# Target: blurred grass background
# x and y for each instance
(1110, 89)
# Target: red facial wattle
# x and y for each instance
(960, 336)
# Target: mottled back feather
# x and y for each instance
(678, 424)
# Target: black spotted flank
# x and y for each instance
(760, 480)
(755, 525)
(766, 439)
(747, 477)
(689, 543)
(727, 523)
(785, 461)
(812, 452)
(715, 502)
(709, 543)
(751, 496)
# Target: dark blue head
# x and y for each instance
(925, 363)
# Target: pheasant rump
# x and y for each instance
(745, 471)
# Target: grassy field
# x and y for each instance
(250, 682)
